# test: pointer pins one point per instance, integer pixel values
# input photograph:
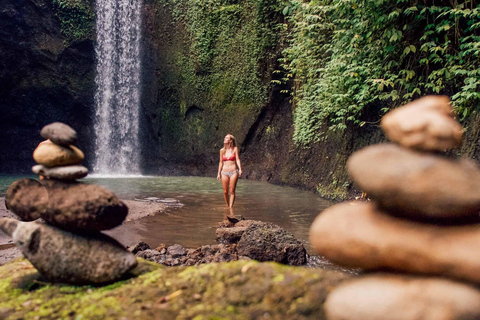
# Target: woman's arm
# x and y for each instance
(239, 164)
(220, 165)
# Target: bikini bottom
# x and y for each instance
(229, 173)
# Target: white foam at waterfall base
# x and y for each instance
(117, 97)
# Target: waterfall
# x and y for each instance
(117, 97)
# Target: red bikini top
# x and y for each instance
(232, 158)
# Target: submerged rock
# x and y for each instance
(62, 173)
(268, 242)
(417, 185)
(70, 258)
(27, 198)
(424, 124)
(82, 207)
(359, 235)
(398, 297)
(59, 133)
(52, 155)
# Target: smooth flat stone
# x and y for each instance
(417, 185)
(65, 257)
(397, 297)
(82, 207)
(357, 234)
(424, 124)
(59, 133)
(27, 198)
(52, 155)
(61, 173)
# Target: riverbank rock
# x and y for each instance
(359, 235)
(82, 207)
(69, 258)
(27, 198)
(59, 133)
(417, 185)
(235, 290)
(398, 297)
(52, 155)
(268, 242)
(424, 124)
(61, 173)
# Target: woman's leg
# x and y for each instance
(233, 185)
(225, 180)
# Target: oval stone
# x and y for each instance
(27, 198)
(51, 155)
(59, 133)
(417, 185)
(396, 297)
(61, 173)
(65, 257)
(82, 207)
(357, 234)
(424, 124)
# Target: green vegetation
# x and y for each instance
(346, 55)
(76, 18)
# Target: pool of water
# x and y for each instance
(195, 206)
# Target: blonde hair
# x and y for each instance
(232, 139)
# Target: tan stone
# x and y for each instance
(417, 185)
(396, 297)
(52, 155)
(357, 234)
(424, 124)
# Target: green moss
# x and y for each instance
(235, 290)
(77, 19)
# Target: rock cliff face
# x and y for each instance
(43, 79)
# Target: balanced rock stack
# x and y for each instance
(69, 247)
(422, 223)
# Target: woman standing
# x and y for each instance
(227, 169)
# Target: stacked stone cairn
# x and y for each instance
(69, 247)
(420, 232)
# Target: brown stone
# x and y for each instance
(52, 155)
(417, 185)
(424, 124)
(59, 133)
(357, 234)
(396, 297)
(82, 207)
(65, 257)
(27, 198)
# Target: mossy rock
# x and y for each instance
(233, 290)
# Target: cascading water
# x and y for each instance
(117, 99)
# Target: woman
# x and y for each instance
(227, 168)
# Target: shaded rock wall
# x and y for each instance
(42, 79)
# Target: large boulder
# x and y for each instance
(424, 124)
(417, 185)
(82, 207)
(358, 234)
(27, 198)
(268, 242)
(398, 297)
(70, 258)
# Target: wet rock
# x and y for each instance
(229, 235)
(357, 234)
(148, 254)
(52, 155)
(417, 185)
(27, 198)
(141, 246)
(59, 133)
(69, 258)
(212, 253)
(82, 207)
(424, 124)
(62, 172)
(176, 251)
(268, 242)
(395, 297)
